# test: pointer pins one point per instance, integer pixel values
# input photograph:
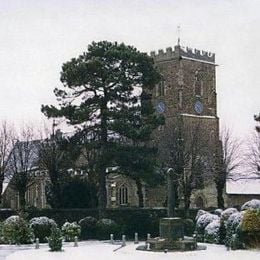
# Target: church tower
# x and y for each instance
(187, 97)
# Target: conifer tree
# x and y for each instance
(98, 97)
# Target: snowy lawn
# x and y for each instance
(96, 250)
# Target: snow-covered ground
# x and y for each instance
(95, 250)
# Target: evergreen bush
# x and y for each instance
(223, 221)
(251, 204)
(212, 232)
(251, 228)
(16, 230)
(55, 239)
(189, 226)
(88, 227)
(234, 238)
(70, 230)
(201, 224)
(42, 227)
(105, 227)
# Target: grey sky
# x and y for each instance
(36, 37)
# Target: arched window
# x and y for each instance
(199, 202)
(161, 88)
(123, 195)
(212, 137)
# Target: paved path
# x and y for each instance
(6, 250)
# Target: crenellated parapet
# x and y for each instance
(183, 52)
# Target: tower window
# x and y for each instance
(198, 88)
(180, 98)
(123, 195)
(160, 89)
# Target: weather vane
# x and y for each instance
(179, 34)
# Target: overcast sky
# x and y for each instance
(36, 37)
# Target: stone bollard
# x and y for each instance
(112, 238)
(76, 241)
(37, 244)
(148, 246)
(136, 238)
(123, 240)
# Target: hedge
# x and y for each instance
(130, 220)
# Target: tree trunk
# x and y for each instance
(220, 199)
(220, 185)
(1, 185)
(22, 201)
(140, 193)
(186, 206)
(102, 193)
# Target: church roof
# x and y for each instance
(243, 186)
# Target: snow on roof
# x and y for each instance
(243, 186)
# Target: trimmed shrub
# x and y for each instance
(251, 228)
(16, 230)
(42, 228)
(105, 227)
(189, 227)
(55, 239)
(234, 238)
(251, 204)
(201, 224)
(218, 212)
(88, 227)
(223, 219)
(70, 231)
(200, 213)
(212, 232)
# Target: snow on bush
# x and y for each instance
(203, 221)
(223, 219)
(233, 231)
(12, 219)
(212, 232)
(226, 214)
(70, 231)
(218, 212)
(251, 204)
(16, 230)
(200, 213)
(42, 227)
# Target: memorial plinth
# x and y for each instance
(171, 228)
(172, 237)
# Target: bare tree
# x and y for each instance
(253, 156)
(187, 146)
(226, 160)
(55, 158)
(5, 145)
(23, 161)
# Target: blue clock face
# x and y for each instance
(198, 107)
(160, 108)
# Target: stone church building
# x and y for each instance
(186, 96)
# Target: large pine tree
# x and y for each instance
(98, 97)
